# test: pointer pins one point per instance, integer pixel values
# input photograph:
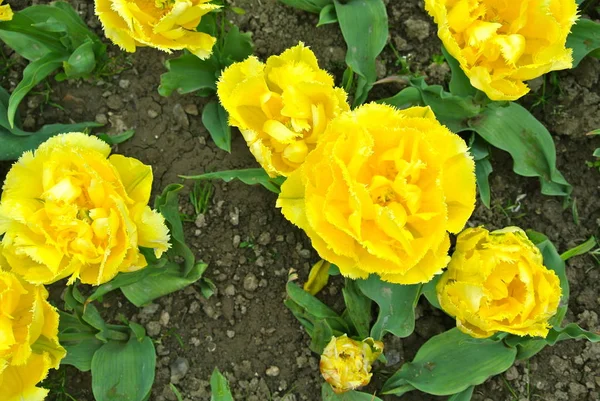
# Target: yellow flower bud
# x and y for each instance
(28, 338)
(163, 24)
(346, 363)
(381, 191)
(497, 282)
(281, 107)
(6, 13)
(500, 44)
(68, 209)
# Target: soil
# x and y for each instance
(244, 329)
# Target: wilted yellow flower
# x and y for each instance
(6, 12)
(281, 107)
(497, 282)
(29, 345)
(501, 43)
(346, 363)
(67, 210)
(381, 191)
(164, 24)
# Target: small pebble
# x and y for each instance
(250, 282)
(272, 371)
(179, 369)
(164, 318)
(124, 83)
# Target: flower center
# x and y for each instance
(162, 4)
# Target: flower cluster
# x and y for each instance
(29, 345)
(164, 24)
(500, 44)
(282, 107)
(496, 281)
(82, 214)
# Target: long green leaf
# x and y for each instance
(460, 84)
(123, 371)
(358, 307)
(251, 176)
(463, 395)
(33, 74)
(187, 74)
(396, 306)
(161, 282)
(364, 25)
(571, 331)
(219, 387)
(313, 6)
(216, 121)
(515, 130)
(451, 362)
(327, 394)
(583, 39)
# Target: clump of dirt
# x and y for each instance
(244, 329)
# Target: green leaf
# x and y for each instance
(583, 39)
(310, 310)
(81, 62)
(570, 331)
(580, 249)
(463, 395)
(327, 15)
(396, 306)
(168, 205)
(460, 84)
(33, 74)
(451, 362)
(313, 6)
(358, 308)
(117, 139)
(160, 282)
(15, 141)
(237, 46)
(321, 336)
(515, 130)
(20, 35)
(251, 176)
(451, 110)
(364, 25)
(81, 353)
(176, 392)
(216, 121)
(430, 292)
(187, 74)
(327, 394)
(123, 371)
(219, 387)
(483, 168)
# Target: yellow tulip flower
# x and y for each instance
(497, 282)
(499, 44)
(6, 12)
(381, 191)
(29, 345)
(346, 363)
(281, 107)
(163, 24)
(68, 209)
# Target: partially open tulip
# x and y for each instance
(164, 24)
(499, 43)
(67, 209)
(497, 282)
(346, 363)
(381, 191)
(281, 107)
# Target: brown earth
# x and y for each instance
(244, 329)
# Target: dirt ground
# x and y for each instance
(244, 329)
